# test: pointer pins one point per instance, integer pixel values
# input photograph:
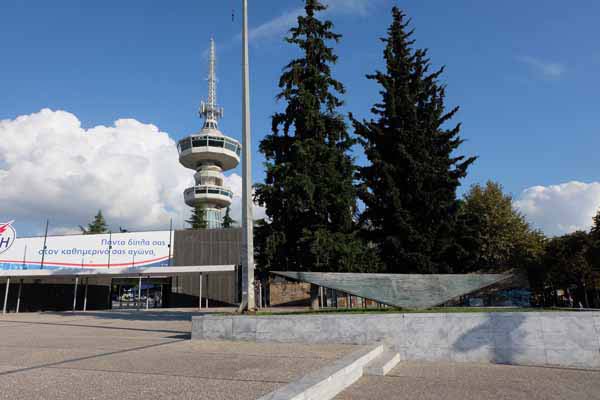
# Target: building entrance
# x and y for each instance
(139, 293)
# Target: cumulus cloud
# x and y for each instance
(282, 23)
(544, 69)
(561, 209)
(234, 181)
(51, 167)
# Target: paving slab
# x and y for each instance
(465, 381)
(57, 383)
(133, 356)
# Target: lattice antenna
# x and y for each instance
(209, 110)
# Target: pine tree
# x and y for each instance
(409, 188)
(595, 242)
(308, 193)
(198, 218)
(95, 227)
(595, 231)
(228, 222)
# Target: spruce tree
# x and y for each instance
(198, 218)
(97, 226)
(409, 186)
(308, 193)
(595, 242)
(227, 220)
(595, 231)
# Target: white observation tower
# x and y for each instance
(209, 153)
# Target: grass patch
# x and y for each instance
(436, 310)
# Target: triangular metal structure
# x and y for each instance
(400, 290)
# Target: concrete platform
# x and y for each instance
(555, 339)
(136, 355)
(465, 381)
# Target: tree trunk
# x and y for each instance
(585, 296)
(314, 297)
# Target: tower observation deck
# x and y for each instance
(209, 152)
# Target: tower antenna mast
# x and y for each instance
(210, 111)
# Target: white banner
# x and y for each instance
(131, 249)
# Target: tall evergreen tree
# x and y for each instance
(98, 225)
(308, 193)
(409, 187)
(198, 218)
(227, 220)
(595, 231)
(595, 242)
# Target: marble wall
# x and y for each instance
(567, 339)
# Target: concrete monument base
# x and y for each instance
(565, 339)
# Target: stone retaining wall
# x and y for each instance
(567, 339)
(289, 293)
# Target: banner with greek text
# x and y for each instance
(139, 249)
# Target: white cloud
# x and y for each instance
(51, 167)
(282, 23)
(358, 7)
(544, 69)
(561, 209)
(63, 230)
(276, 26)
(234, 181)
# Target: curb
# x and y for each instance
(383, 364)
(327, 382)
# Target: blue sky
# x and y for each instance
(525, 74)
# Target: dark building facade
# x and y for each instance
(190, 248)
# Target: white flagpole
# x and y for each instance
(248, 301)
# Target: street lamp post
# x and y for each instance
(248, 301)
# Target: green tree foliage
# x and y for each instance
(464, 251)
(308, 192)
(567, 263)
(595, 231)
(198, 218)
(504, 238)
(97, 226)
(228, 222)
(570, 263)
(409, 186)
(595, 242)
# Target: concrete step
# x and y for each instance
(383, 364)
(328, 382)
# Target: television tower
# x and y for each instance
(209, 152)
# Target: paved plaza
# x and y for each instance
(148, 354)
(137, 355)
(457, 381)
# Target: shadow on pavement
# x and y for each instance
(54, 364)
(87, 319)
